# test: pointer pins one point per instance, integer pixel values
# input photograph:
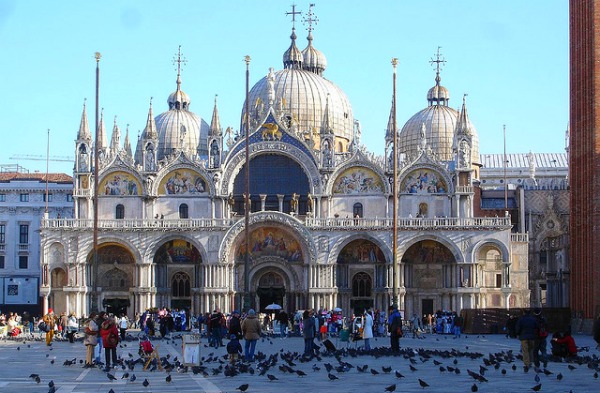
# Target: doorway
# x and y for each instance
(116, 306)
(270, 295)
(427, 306)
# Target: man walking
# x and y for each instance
(525, 329)
(395, 328)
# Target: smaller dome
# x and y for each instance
(179, 100)
(438, 94)
(314, 60)
(293, 58)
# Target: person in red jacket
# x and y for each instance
(110, 340)
(560, 343)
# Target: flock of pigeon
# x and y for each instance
(404, 368)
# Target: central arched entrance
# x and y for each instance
(270, 290)
(429, 275)
(177, 272)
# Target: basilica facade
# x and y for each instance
(171, 228)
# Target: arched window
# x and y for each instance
(120, 212)
(183, 211)
(357, 210)
(361, 285)
(180, 285)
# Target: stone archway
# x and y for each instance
(429, 273)
(270, 290)
(114, 276)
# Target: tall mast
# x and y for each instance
(96, 186)
(395, 190)
(247, 193)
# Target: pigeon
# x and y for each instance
(168, 378)
(386, 370)
(332, 377)
(51, 384)
(37, 379)
(374, 372)
(571, 367)
(32, 376)
(316, 368)
(423, 383)
(559, 376)
(111, 391)
(132, 378)
(537, 378)
(243, 388)
(391, 388)
(537, 387)
(412, 368)
(300, 373)
(111, 377)
(272, 377)
(145, 383)
(399, 375)
(125, 376)
(474, 388)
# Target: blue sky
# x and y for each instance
(509, 56)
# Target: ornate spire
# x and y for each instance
(463, 124)
(102, 131)
(179, 99)
(215, 124)
(127, 144)
(115, 141)
(84, 128)
(326, 127)
(389, 133)
(150, 130)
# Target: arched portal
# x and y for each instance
(429, 268)
(272, 175)
(58, 298)
(270, 290)
(114, 276)
(360, 271)
(177, 271)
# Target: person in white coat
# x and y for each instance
(367, 329)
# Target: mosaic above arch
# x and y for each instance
(271, 241)
(361, 251)
(357, 181)
(120, 183)
(177, 251)
(182, 182)
(428, 251)
(423, 181)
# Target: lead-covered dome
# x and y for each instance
(179, 129)
(303, 95)
(440, 125)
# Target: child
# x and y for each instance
(234, 349)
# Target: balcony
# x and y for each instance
(23, 247)
(138, 224)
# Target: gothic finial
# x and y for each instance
(180, 60)
(310, 19)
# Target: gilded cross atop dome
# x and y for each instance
(293, 13)
(439, 63)
(310, 19)
(180, 60)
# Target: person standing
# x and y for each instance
(50, 322)
(90, 340)
(283, 319)
(525, 329)
(251, 331)
(367, 329)
(540, 351)
(215, 328)
(110, 340)
(395, 328)
(596, 331)
(458, 323)
(235, 326)
(72, 327)
(62, 324)
(123, 324)
(308, 332)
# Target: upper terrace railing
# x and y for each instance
(439, 223)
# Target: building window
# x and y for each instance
(180, 285)
(24, 197)
(69, 197)
(361, 285)
(47, 197)
(24, 234)
(357, 210)
(498, 280)
(23, 261)
(2, 197)
(183, 211)
(120, 212)
(2, 233)
(1, 261)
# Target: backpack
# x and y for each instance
(42, 326)
(542, 331)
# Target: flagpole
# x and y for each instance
(395, 192)
(247, 300)
(94, 300)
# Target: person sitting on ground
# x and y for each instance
(234, 348)
(564, 345)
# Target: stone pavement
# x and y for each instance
(431, 356)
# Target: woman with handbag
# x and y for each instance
(110, 340)
(395, 328)
(90, 340)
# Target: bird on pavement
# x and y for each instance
(374, 372)
(559, 376)
(391, 388)
(537, 387)
(300, 373)
(111, 377)
(168, 378)
(272, 377)
(423, 383)
(332, 377)
(474, 388)
(132, 378)
(243, 388)
(125, 376)
(146, 383)
(399, 375)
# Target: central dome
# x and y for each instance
(301, 92)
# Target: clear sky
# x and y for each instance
(510, 57)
